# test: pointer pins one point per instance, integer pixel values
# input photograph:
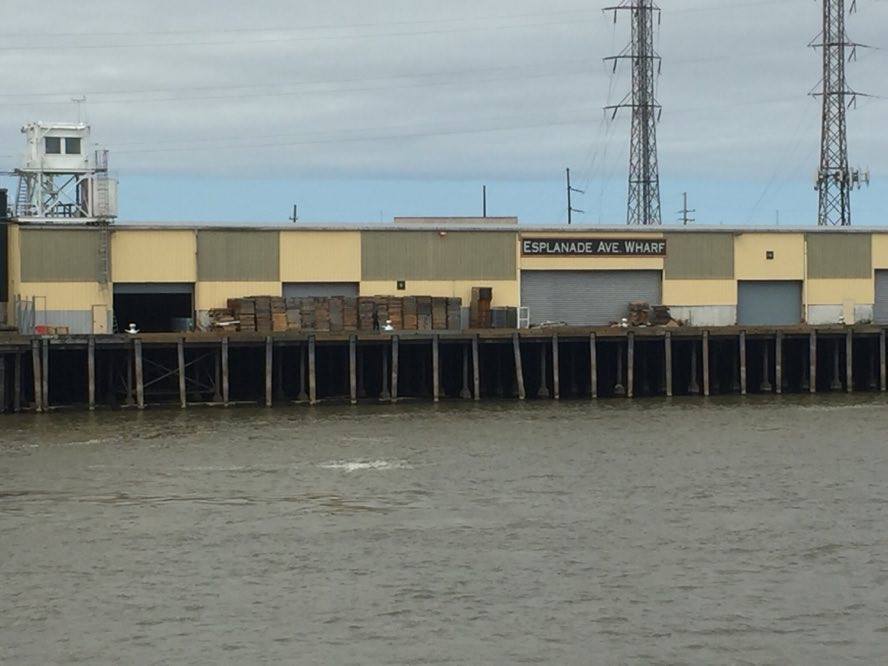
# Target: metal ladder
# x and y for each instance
(103, 272)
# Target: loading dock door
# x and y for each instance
(881, 310)
(318, 289)
(586, 298)
(154, 307)
(769, 303)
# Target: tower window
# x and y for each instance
(53, 145)
(72, 146)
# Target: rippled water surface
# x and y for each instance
(614, 533)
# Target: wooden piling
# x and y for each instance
(543, 391)
(312, 371)
(778, 363)
(556, 368)
(130, 362)
(384, 391)
(91, 371)
(2, 384)
(849, 361)
(667, 341)
(694, 383)
(217, 378)
(766, 386)
(630, 365)
(396, 361)
(362, 388)
(476, 368)
(619, 387)
(226, 386)
(44, 375)
(465, 393)
(836, 374)
(883, 361)
(812, 359)
(436, 377)
(593, 365)
(744, 387)
(17, 384)
(140, 378)
(38, 382)
(180, 355)
(353, 369)
(707, 375)
(519, 370)
(269, 367)
(302, 396)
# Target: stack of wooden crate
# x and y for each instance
(479, 309)
(424, 313)
(410, 315)
(454, 314)
(350, 313)
(366, 314)
(278, 314)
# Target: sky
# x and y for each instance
(362, 110)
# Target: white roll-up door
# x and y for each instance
(587, 298)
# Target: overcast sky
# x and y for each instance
(228, 110)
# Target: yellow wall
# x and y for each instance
(66, 295)
(211, 295)
(836, 292)
(880, 251)
(750, 262)
(14, 257)
(699, 292)
(153, 256)
(320, 256)
(505, 293)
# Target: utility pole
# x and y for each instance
(295, 217)
(484, 199)
(644, 172)
(835, 179)
(685, 212)
(570, 209)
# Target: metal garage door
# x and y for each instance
(881, 311)
(767, 303)
(309, 289)
(586, 298)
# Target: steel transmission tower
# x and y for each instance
(644, 172)
(835, 179)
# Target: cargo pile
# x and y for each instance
(643, 314)
(336, 314)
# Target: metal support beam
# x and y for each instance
(519, 370)
(140, 378)
(180, 357)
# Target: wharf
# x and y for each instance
(42, 373)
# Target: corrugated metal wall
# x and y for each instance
(586, 298)
(429, 255)
(769, 303)
(4, 266)
(839, 255)
(699, 256)
(319, 289)
(60, 255)
(238, 256)
(880, 314)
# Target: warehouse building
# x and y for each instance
(92, 280)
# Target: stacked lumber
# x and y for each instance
(222, 319)
(454, 314)
(410, 315)
(439, 314)
(278, 315)
(322, 314)
(366, 314)
(350, 314)
(263, 314)
(479, 309)
(382, 313)
(294, 314)
(244, 310)
(337, 314)
(396, 312)
(424, 313)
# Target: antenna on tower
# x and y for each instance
(685, 212)
(644, 172)
(835, 179)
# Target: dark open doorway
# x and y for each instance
(154, 308)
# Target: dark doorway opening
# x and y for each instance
(154, 312)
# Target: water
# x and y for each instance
(735, 532)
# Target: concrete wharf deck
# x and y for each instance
(46, 373)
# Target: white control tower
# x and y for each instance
(60, 180)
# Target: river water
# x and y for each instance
(660, 532)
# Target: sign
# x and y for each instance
(593, 247)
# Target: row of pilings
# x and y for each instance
(41, 374)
